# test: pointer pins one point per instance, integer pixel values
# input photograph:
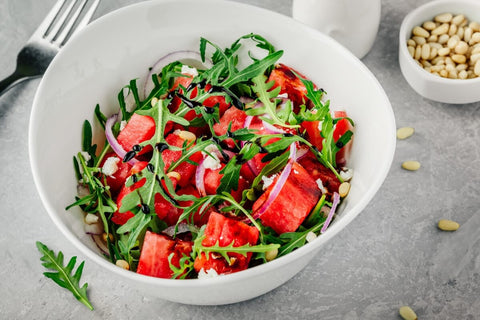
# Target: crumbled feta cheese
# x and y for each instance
(110, 166)
(320, 185)
(320, 124)
(310, 236)
(283, 95)
(346, 174)
(295, 171)
(91, 218)
(123, 124)
(211, 160)
(191, 71)
(85, 155)
(210, 273)
(267, 181)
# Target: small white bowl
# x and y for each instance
(120, 46)
(433, 87)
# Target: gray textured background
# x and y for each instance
(391, 255)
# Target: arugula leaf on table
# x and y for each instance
(63, 274)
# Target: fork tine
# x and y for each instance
(52, 14)
(59, 40)
(52, 33)
(87, 17)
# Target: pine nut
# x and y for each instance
(407, 313)
(344, 189)
(405, 132)
(444, 51)
(475, 38)
(459, 58)
(448, 225)
(432, 38)
(453, 41)
(476, 70)
(462, 47)
(174, 175)
(122, 264)
(429, 25)
(467, 36)
(271, 254)
(442, 29)
(444, 17)
(425, 51)
(452, 30)
(463, 74)
(419, 40)
(443, 38)
(475, 26)
(458, 19)
(411, 165)
(186, 135)
(418, 53)
(419, 31)
(411, 43)
(411, 50)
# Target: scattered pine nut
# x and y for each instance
(407, 313)
(174, 175)
(123, 264)
(344, 189)
(448, 225)
(405, 132)
(411, 165)
(450, 37)
(271, 254)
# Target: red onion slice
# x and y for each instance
(200, 179)
(279, 183)
(116, 147)
(190, 58)
(98, 239)
(336, 201)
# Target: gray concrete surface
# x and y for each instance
(391, 255)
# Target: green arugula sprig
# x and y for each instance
(62, 275)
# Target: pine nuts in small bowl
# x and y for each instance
(439, 50)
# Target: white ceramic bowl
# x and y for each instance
(121, 46)
(455, 91)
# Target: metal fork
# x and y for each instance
(61, 23)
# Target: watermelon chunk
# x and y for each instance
(138, 129)
(155, 252)
(225, 231)
(212, 182)
(237, 119)
(117, 180)
(294, 202)
(185, 169)
(318, 171)
(290, 84)
(121, 218)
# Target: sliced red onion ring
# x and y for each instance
(116, 147)
(98, 239)
(279, 183)
(190, 58)
(336, 201)
(182, 228)
(200, 179)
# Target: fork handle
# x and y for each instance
(10, 81)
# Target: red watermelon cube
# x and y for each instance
(155, 252)
(294, 202)
(225, 231)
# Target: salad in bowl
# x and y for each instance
(215, 162)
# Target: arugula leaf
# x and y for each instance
(63, 274)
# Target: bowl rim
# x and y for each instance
(406, 29)
(244, 274)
